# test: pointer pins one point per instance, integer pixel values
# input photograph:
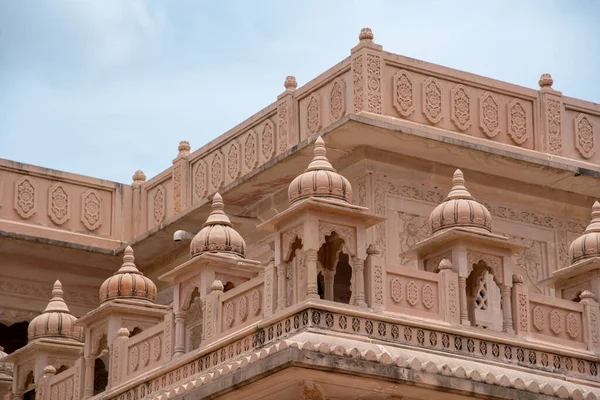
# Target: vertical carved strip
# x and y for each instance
(282, 127)
(374, 83)
(177, 188)
(358, 83)
(520, 305)
(554, 120)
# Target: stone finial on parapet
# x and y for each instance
(290, 83)
(444, 265)
(139, 177)
(546, 81)
(366, 34)
(184, 149)
(217, 286)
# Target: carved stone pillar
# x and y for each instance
(312, 290)
(358, 271)
(328, 278)
(88, 388)
(181, 174)
(179, 348)
(281, 287)
(520, 305)
(591, 321)
(138, 179)
(507, 320)
(464, 311)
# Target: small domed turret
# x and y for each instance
(588, 244)
(128, 283)
(56, 321)
(460, 209)
(320, 180)
(217, 234)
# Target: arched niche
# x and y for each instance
(484, 297)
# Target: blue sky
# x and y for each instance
(105, 87)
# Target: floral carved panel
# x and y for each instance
(267, 141)
(374, 83)
(282, 126)
(396, 290)
(411, 230)
(159, 204)
(358, 83)
(177, 188)
(91, 209)
(518, 121)
(313, 113)
(59, 209)
(216, 170)
(489, 114)
(530, 262)
(337, 100)
(200, 175)
(403, 95)
(255, 304)
(584, 136)
(25, 197)
(432, 100)
(250, 151)
(233, 161)
(461, 107)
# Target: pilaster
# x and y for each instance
(367, 72)
(520, 306)
(591, 321)
(181, 178)
(551, 117)
(375, 278)
(288, 133)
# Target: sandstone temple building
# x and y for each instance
(393, 229)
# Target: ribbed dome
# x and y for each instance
(588, 244)
(6, 369)
(320, 180)
(128, 283)
(217, 234)
(56, 321)
(460, 209)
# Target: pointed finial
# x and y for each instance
(290, 83)
(217, 285)
(586, 294)
(217, 215)
(445, 264)
(57, 302)
(459, 191)
(320, 161)
(128, 265)
(366, 34)
(123, 333)
(184, 146)
(139, 176)
(546, 81)
(594, 225)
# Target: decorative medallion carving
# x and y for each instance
(145, 358)
(268, 141)
(91, 209)
(229, 314)
(378, 282)
(517, 122)
(584, 136)
(595, 326)
(489, 115)
(25, 201)
(337, 101)
(282, 126)
(358, 86)
(396, 290)
(428, 296)
(233, 161)
(555, 322)
(250, 154)
(216, 170)
(374, 83)
(344, 232)
(432, 100)
(134, 358)
(156, 348)
(313, 113)
(554, 127)
(159, 204)
(523, 314)
(573, 327)
(200, 180)
(538, 318)
(177, 188)
(255, 302)
(59, 209)
(453, 300)
(412, 293)
(402, 86)
(243, 308)
(461, 107)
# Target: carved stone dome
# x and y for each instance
(56, 321)
(320, 180)
(460, 209)
(588, 244)
(128, 283)
(217, 234)
(6, 369)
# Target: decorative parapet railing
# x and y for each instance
(324, 316)
(62, 206)
(238, 308)
(67, 385)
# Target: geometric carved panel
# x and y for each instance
(91, 208)
(337, 102)
(25, 201)
(59, 209)
(584, 136)
(517, 125)
(489, 114)
(461, 107)
(538, 318)
(159, 204)
(432, 100)
(403, 93)
(555, 322)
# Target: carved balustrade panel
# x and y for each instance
(242, 305)
(63, 386)
(144, 351)
(413, 292)
(555, 318)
